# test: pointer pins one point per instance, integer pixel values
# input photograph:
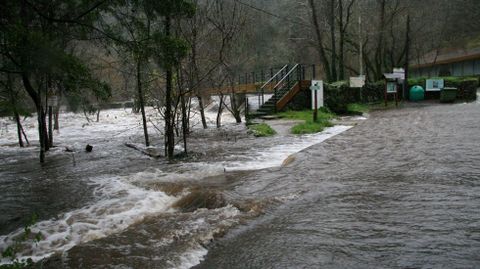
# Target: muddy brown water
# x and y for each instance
(400, 190)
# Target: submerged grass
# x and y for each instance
(309, 126)
(262, 130)
(360, 108)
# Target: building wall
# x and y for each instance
(459, 69)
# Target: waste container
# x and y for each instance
(448, 95)
(417, 93)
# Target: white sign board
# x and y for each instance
(434, 85)
(357, 82)
(400, 73)
(52, 101)
(317, 89)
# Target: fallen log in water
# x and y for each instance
(152, 152)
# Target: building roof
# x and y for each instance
(439, 57)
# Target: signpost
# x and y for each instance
(317, 97)
(391, 86)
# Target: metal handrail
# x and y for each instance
(274, 76)
(286, 76)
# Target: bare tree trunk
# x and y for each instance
(184, 123)
(341, 60)
(50, 126)
(19, 129)
(321, 49)
(169, 120)
(202, 111)
(379, 50)
(141, 101)
(41, 133)
(220, 111)
(56, 124)
(24, 135)
(333, 40)
(45, 130)
(10, 89)
(98, 114)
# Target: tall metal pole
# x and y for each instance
(360, 43)
(407, 55)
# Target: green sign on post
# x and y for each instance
(391, 87)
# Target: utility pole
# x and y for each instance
(407, 55)
(360, 43)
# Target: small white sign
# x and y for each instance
(400, 73)
(52, 101)
(357, 82)
(317, 89)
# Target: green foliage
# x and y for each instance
(172, 8)
(171, 50)
(373, 92)
(357, 108)
(339, 95)
(262, 130)
(309, 126)
(10, 251)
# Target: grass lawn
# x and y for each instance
(309, 126)
(261, 130)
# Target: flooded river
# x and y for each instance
(399, 190)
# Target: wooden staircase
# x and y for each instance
(288, 86)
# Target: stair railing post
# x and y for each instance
(271, 72)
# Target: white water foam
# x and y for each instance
(121, 205)
(274, 156)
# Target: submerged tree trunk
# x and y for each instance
(50, 126)
(36, 98)
(141, 101)
(220, 111)
(19, 128)
(202, 111)
(169, 120)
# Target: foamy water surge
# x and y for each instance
(120, 205)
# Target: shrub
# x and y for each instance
(262, 130)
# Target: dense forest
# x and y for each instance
(81, 54)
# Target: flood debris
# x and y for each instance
(89, 148)
(152, 152)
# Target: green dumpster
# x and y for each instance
(417, 93)
(448, 95)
